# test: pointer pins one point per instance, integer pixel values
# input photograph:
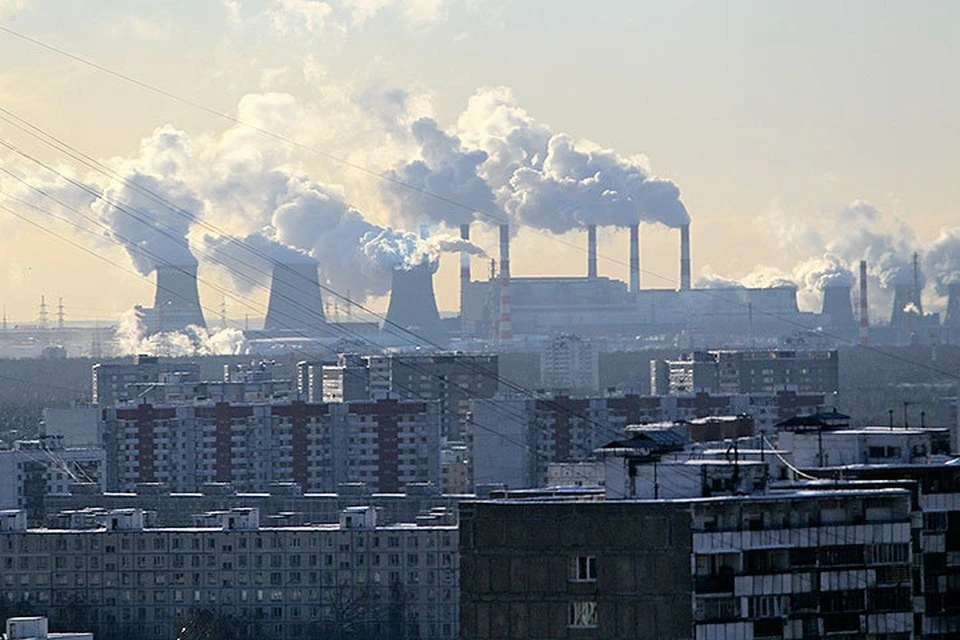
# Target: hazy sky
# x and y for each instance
(770, 117)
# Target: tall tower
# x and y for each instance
(506, 326)
(685, 257)
(634, 258)
(592, 251)
(42, 315)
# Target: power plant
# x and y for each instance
(506, 309)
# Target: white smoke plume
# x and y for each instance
(250, 260)
(153, 232)
(942, 259)
(546, 180)
(446, 170)
(194, 341)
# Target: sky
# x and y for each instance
(799, 138)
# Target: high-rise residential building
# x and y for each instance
(452, 379)
(386, 444)
(110, 379)
(570, 363)
(750, 372)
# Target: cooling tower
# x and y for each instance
(176, 304)
(506, 325)
(295, 303)
(634, 258)
(903, 304)
(952, 313)
(838, 308)
(592, 251)
(685, 257)
(412, 314)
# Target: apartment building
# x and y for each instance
(385, 444)
(791, 564)
(570, 363)
(113, 573)
(749, 371)
(33, 470)
(516, 438)
(451, 379)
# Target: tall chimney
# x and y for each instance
(917, 289)
(506, 329)
(864, 314)
(634, 258)
(591, 251)
(464, 277)
(685, 257)
(295, 303)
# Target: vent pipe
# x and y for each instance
(634, 258)
(506, 328)
(592, 251)
(685, 257)
(864, 314)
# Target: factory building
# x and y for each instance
(113, 572)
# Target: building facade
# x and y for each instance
(112, 573)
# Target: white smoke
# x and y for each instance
(443, 169)
(250, 260)
(194, 341)
(942, 259)
(153, 231)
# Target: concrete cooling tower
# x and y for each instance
(412, 314)
(838, 307)
(176, 304)
(952, 316)
(905, 307)
(295, 304)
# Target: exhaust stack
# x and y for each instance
(864, 314)
(506, 328)
(464, 276)
(592, 251)
(295, 302)
(634, 258)
(685, 257)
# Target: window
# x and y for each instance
(583, 568)
(583, 614)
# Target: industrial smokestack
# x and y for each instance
(864, 313)
(176, 303)
(592, 251)
(634, 258)
(464, 276)
(838, 308)
(952, 313)
(685, 257)
(295, 302)
(412, 313)
(506, 327)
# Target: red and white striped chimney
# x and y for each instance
(506, 328)
(591, 251)
(685, 257)
(634, 258)
(864, 315)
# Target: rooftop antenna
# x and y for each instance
(42, 316)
